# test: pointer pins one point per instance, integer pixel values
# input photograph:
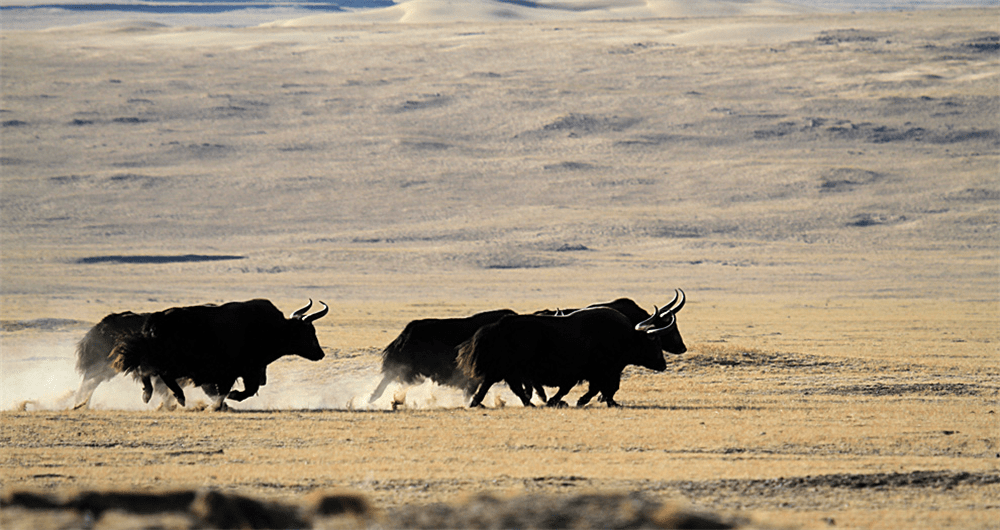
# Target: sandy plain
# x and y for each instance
(823, 186)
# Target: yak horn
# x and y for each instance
(297, 314)
(667, 308)
(671, 308)
(680, 304)
(317, 315)
(648, 323)
(673, 320)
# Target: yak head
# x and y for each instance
(663, 325)
(300, 336)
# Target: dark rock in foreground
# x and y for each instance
(188, 509)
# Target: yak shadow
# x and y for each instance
(153, 259)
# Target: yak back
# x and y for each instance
(207, 343)
(427, 347)
(93, 352)
(549, 350)
(625, 306)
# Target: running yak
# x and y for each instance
(670, 338)
(209, 346)
(428, 348)
(94, 360)
(594, 344)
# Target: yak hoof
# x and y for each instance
(146, 395)
(613, 403)
(556, 404)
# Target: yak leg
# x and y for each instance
(591, 392)
(174, 387)
(86, 391)
(484, 387)
(250, 387)
(556, 400)
(219, 403)
(147, 388)
(540, 390)
(469, 388)
(380, 389)
(609, 392)
(218, 398)
(224, 389)
(530, 387)
(522, 390)
(160, 387)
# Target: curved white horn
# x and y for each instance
(299, 312)
(648, 323)
(666, 308)
(677, 308)
(673, 320)
(319, 314)
(671, 308)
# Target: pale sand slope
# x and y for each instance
(440, 161)
(412, 11)
(437, 11)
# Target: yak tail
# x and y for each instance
(477, 355)
(394, 351)
(93, 350)
(127, 355)
(466, 359)
(93, 353)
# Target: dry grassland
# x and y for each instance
(765, 432)
(826, 195)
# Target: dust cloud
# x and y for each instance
(351, 392)
(38, 373)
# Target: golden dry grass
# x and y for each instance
(721, 422)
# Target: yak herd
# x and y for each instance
(211, 346)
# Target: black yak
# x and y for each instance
(211, 346)
(592, 344)
(95, 362)
(427, 349)
(670, 338)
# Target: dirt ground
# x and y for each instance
(825, 193)
(766, 433)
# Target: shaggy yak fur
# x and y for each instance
(93, 353)
(427, 349)
(212, 346)
(593, 345)
(670, 337)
